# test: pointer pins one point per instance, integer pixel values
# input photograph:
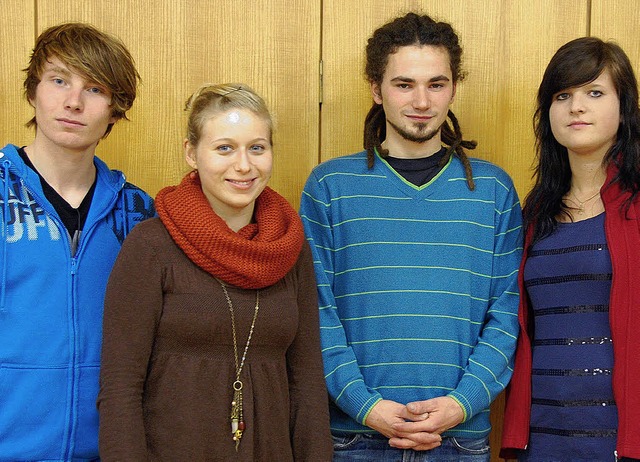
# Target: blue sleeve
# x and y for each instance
(345, 383)
(490, 365)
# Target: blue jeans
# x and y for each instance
(376, 447)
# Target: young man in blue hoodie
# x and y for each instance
(64, 217)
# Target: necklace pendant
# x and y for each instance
(237, 420)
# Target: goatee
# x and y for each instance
(416, 138)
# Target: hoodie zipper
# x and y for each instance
(68, 437)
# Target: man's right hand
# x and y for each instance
(383, 415)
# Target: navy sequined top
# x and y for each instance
(568, 279)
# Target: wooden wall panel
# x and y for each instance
(180, 44)
(506, 47)
(16, 42)
(618, 20)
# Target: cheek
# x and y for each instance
(614, 122)
(554, 120)
(267, 166)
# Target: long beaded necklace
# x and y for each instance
(237, 418)
(580, 204)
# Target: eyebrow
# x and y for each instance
(437, 78)
(58, 70)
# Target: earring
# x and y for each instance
(193, 174)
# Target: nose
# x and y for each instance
(421, 99)
(74, 99)
(577, 104)
(243, 163)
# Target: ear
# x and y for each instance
(376, 93)
(190, 154)
(453, 93)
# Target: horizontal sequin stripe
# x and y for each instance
(573, 341)
(571, 372)
(572, 309)
(575, 403)
(576, 248)
(568, 278)
(600, 433)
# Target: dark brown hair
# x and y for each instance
(577, 63)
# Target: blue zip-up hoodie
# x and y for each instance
(51, 311)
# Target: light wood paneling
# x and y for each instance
(16, 42)
(618, 20)
(272, 45)
(506, 47)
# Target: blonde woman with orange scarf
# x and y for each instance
(211, 340)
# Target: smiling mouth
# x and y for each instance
(242, 183)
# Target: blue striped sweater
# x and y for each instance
(417, 286)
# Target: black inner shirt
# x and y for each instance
(418, 171)
(72, 218)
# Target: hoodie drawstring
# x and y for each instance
(5, 233)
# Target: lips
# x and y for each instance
(242, 184)
(70, 122)
(420, 118)
(578, 123)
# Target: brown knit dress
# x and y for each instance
(168, 364)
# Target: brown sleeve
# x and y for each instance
(309, 420)
(133, 305)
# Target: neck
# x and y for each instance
(69, 172)
(405, 149)
(587, 174)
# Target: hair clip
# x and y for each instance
(231, 91)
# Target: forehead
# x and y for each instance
(604, 79)
(418, 62)
(56, 65)
(235, 122)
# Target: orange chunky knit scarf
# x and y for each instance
(257, 256)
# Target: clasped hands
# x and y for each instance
(418, 425)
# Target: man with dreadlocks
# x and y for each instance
(416, 249)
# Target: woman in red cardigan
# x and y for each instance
(575, 392)
(211, 338)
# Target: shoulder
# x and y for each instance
(353, 163)
(139, 197)
(489, 173)
(149, 236)
(484, 167)
(150, 230)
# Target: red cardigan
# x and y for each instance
(623, 239)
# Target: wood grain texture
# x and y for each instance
(16, 42)
(617, 20)
(506, 45)
(273, 46)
